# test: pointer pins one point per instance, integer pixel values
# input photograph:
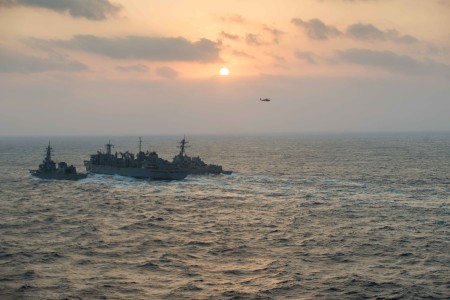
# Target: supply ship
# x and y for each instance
(143, 165)
(48, 169)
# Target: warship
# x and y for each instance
(48, 169)
(195, 165)
(143, 165)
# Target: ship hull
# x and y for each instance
(58, 176)
(137, 172)
(202, 171)
(207, 170)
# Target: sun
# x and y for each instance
(224, 72)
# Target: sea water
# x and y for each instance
(301, 217)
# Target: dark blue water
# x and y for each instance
(334, 217)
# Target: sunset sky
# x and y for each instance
(152, 67)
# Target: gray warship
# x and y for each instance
(196, 165)
(143, 165)
(48, 169)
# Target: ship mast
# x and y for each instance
(140, 144)
(48, 156)
(183, 146)
(108, 147)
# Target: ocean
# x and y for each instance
(348, 216)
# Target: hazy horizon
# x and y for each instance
(259, 134)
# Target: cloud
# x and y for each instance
(405, 39)
(393, 62)
(142, 47)
(166, 72)
(257, 39)
(89, 9)
(242, 54)
(444, 3)
(13, 62)
(276, 34)
(308, 57)
(233, 18)
(436, 50)
(254, 39)
(134, 68)
(229, 36)
(316, 29)
(370, 32)
(365, 31)
(277, 58)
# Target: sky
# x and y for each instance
(137, 67)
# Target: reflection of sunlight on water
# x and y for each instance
(281, 227)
